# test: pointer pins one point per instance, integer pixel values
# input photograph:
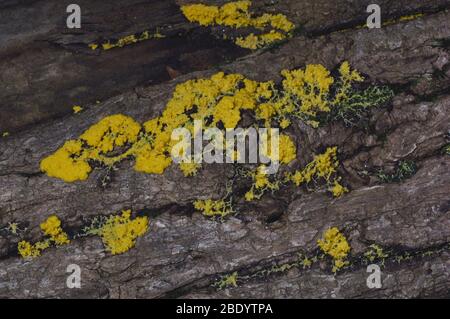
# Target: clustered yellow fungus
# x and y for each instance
(335, 244)
(217, 102)
(5, 134)
(77, 109)
(237, 15)
(229, 280)
(119, 233)
(130, 39)
(189, 169)
(52, 229)
(261, 183)
(323, 167)
(13, 228)
(214, 208)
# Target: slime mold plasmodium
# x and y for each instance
(52, 229)
(323, 167)
(310, 95)
(125, 41)
(335, 245)
(237, 15)
(119, 232)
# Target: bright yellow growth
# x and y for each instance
(236, 15)
(68, 163)
(13, 228)
(189, 169)
(119, 233)
(335, 244)
(261, 184)
(216, 102)
(5, 134)
(323, 167)
(27, 250)
(130, 39)
(214, 208)
(51, 228)
(254, 42)
(228, 281)
(77, 109)
(309, 88)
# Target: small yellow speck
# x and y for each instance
(5, 134)
(13, 228)
(93, 46)
(77, 109)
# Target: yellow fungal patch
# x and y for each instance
(310, 87)
(335, 244)
(5, 134)
(52, 229)
(237, 15)
(323, 167)
(127, 40)
(217, 102)
(68, 163)
(27, 250)
(13, 228)
(287, 149)
(189, 169)
(120, 232)
(227, 281)
(214, 208)
(262, 182)
(113, 131)
(254, 42)
(338, 190)
(77, 109)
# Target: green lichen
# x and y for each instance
(404, 170)
(354, 110)
(376, 253)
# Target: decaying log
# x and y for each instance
(46, 71)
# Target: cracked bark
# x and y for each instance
(184, 253)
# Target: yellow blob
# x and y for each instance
(335, 244)
(236, 15)
(217, 102)
(112, 131)
(120, 232)
(127, 40)
(51, 228)
(213, 208)
(67, 163)
(77, 109)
